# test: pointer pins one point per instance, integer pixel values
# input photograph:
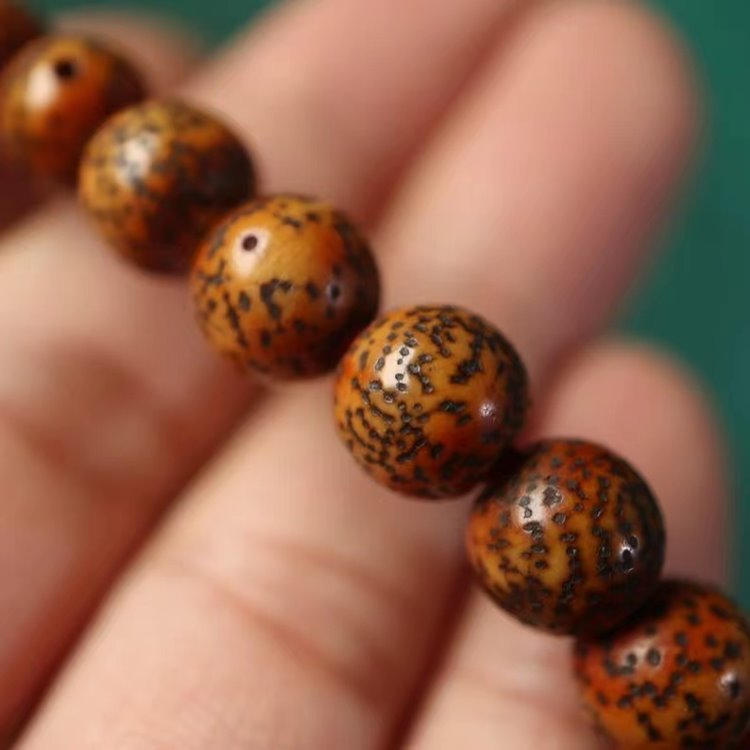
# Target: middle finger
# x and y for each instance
(108, 397)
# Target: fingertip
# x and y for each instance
(672, 98)
(643, 55)
(556, 168)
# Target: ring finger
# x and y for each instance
(505, 685)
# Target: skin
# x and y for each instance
(287, 601)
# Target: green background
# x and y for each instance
(697, 301)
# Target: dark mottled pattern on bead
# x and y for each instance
(428, 398)
(569, 539)
(676, 675)
(17, 28)
(158, 176)
(55, 94)
(283, 285)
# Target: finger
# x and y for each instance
(109, 399)
(34, 501)
(346, 131)
(585, 176)
(506, 685)
(164, 52)
(333, 590)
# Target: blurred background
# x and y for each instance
(696, 301)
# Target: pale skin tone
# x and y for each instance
(513, 157)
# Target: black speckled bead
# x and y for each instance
(675, 675)
(17, 28)
(54, 95)
(569, 539)
(158, 176)
(428, 398)
(283, 285)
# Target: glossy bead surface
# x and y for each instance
(283, 285)
(569, 539)
(17, 28)
(55, 94)
(676, 675)
(428, 398)
(156, 177)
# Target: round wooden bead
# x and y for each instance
(569, 539)
(55, 94)
(158, 176)
(676, 675)
(283, 285)
(428, 398)
(17, 28)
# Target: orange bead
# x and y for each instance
(17, 28)
(156, 177)
(568, 539)
(428, 398)
(676, 675)
(55, 94)
(283, 285)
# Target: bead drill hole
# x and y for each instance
(250, 243)
(627, 560)
(66, 69)
(248, 249)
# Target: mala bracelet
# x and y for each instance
(565, 536)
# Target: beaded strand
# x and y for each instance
(429, 400)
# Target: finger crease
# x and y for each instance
(534, 697)
(126, 445)
(364, 677)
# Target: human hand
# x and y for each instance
(513, 159)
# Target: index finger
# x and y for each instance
(109, 398)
